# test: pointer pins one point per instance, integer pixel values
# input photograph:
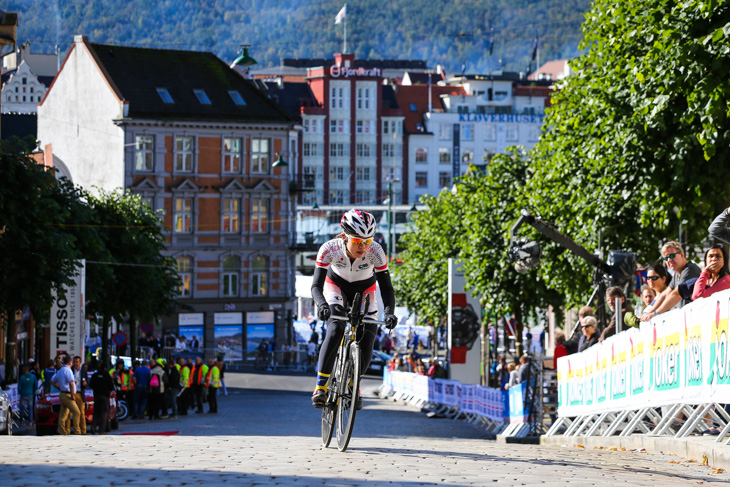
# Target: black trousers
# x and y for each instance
(183, 402)
(335, 331)
(198, 391)
(212, 399)
(101, 414)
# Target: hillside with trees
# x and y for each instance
(479, 35)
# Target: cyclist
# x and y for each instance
(346, 265)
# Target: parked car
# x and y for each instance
(378, 362)
(6, 415)
(48, 407)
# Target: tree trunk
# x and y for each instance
(518, 332)
(132, 339)
(11, 337)
(435, 342)
(105, 340)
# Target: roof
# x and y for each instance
(420, 78)
(18, 125)
(137, 73)
(416, 96)
(555, 70)
(289, 95)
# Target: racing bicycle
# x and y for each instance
(344, 383)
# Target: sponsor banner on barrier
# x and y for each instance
(517, 413)
(678, 357)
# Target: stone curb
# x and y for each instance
(695, 448)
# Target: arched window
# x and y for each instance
(259, 273)
(185, 271)
(231, 267)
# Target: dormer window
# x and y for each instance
(202, 97)
(237, 98)
(165, 95)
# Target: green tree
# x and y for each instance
(36, 246)
(636, 131)
(144, 282)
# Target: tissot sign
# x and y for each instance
(340, 72)
(68, 317)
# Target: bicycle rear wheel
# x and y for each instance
(330, 406)
(346, 406)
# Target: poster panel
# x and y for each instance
(255, 334)
(229, 341)
(190, 333)
(68, 317)
(464, 329)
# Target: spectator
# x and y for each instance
(212, 382)
(576, 341)
(157, 389)
(198, 374)
(411, 362)
(222, 368)
(658, 280)
(194, 343)
(684, 270)
(715, 277)
(81, 378)
(173, 389)
(647, 297)
(590, 332)
(141, 380)
(513, 375)
(47, 375)
(420, 367)
(718, 228)
(392, 366)
(628, 317)
(183, 398)
(560, 350)
(180, 344)
(386, 344)
(26, 390)
(436, 369)
(524, 372)
(102, 384)
(63, 380)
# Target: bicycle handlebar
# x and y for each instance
(364, 320)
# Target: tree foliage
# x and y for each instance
(446, 33)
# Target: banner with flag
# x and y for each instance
(341, 15)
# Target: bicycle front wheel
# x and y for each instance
(330, 406)
(346, 406)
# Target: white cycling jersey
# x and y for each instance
(332, 256)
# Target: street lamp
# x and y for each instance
(391, 243)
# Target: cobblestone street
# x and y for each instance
(266, 433)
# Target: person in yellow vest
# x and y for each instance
(198, 373)
(184, 395)
(213, 382)
(121, 378)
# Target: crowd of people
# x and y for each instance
(412, 362)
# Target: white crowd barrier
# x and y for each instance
(678, 359)
(475, 403)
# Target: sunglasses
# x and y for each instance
(671, 256)
(361, 241)
(652, 278)
(586, 326)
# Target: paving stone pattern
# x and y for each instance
(266, 433)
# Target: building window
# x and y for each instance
(237, 98)
(390, 127)
(25, 81)
(259, 268)
(488, 154)
(312, 149)
(149, 201)
(511, 133)
(230, 275)
(202, 97)
(444, 155)
(500, 95)
(467, 131)
(337, 173)
(183, 154)
(337, 197)
(185, 272)
(259, 215)
(260, 155)
(462, 109)
(445, 130)
(363, 98)
(444, 179)
(362, 127)
(339, 150)
(312, 173)
(362, 174)
(362, 150)
(533, 133)
(143, 152)
(183, 215)
(467, 156)
(337, 97)
(490, 132)
(232, 155)
(231, 214)
(338, 127)
(364, 197)
(165, 96)
(421, 179)
(421, 154)
(389, 150)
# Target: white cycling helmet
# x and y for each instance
(358, 223)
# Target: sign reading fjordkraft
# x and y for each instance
(679, 357)
(68, 316)
(343, 72)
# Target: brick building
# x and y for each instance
(198, 143)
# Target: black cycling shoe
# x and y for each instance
(319, 398)
(358, 401)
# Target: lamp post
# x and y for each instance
(391, 240)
